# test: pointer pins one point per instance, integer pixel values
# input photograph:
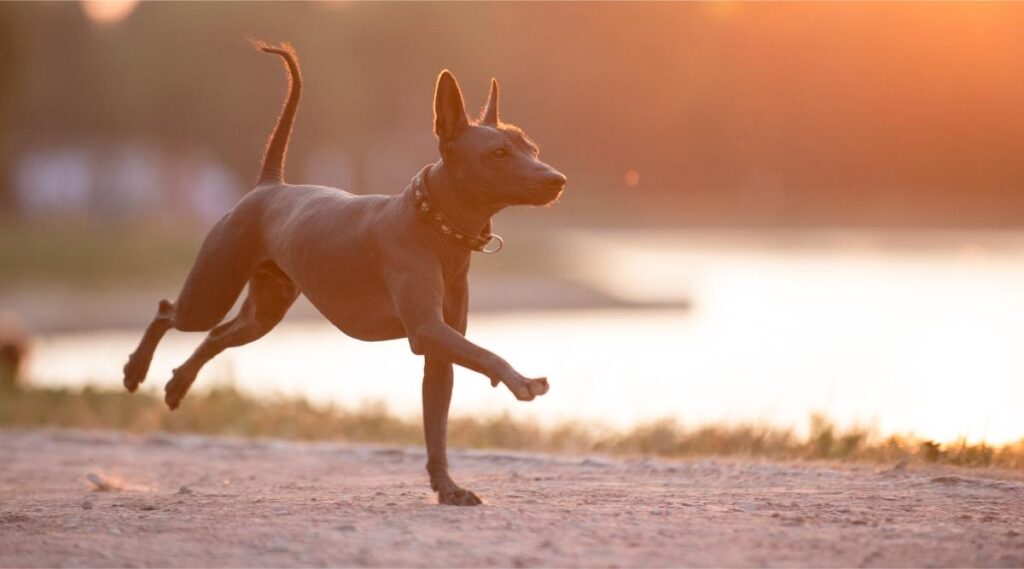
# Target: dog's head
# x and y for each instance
(494, 162)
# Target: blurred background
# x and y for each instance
(773, 210)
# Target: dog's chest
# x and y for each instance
(365, 317)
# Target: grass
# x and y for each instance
(226, 411)
(92, 254)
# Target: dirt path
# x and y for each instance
(199, 501)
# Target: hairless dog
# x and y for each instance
(378, 267)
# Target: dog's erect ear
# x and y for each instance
(490, 116)
(449, 110)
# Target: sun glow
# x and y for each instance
(108, 12)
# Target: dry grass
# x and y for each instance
(227, 411)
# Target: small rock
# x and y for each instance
(746, 506)
(102, 484)
(346, 527)
(115, 531)
(184, 490)
(1012, 533)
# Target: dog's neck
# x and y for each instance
(457, 202)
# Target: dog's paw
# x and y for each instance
(455, 496)
(527, 389)
(176, 389)
(538, 386)
(135, 372)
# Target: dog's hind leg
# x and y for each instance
(138, 363)
(228, 258)
(270, 295)
(225, 262)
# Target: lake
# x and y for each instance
(908, 332)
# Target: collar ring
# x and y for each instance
(492, 238)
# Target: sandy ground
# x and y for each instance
(200, 501)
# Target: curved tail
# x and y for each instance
(277, 146)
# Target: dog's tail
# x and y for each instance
(277, 146)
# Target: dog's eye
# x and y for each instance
(500, 153)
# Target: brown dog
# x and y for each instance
(378, 267)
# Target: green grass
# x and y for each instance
(92, 253)
(226, 411)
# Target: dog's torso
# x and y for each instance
(340, 250)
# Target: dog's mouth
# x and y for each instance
(557, 196)
(545, 196)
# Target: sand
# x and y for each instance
(100, 499)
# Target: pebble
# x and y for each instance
(87, 505)
(746, 506)
(184, 490)
(100, 483)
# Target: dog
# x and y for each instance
(377, 267)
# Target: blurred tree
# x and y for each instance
(735, 113)
(9, 59)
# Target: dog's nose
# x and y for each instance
(555, 181)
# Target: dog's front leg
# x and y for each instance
(418, 296)
(437, 395)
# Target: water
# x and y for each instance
(912, 333)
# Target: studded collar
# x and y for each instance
(430, 212)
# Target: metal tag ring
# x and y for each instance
(494, 237)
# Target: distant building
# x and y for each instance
(124, 181)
